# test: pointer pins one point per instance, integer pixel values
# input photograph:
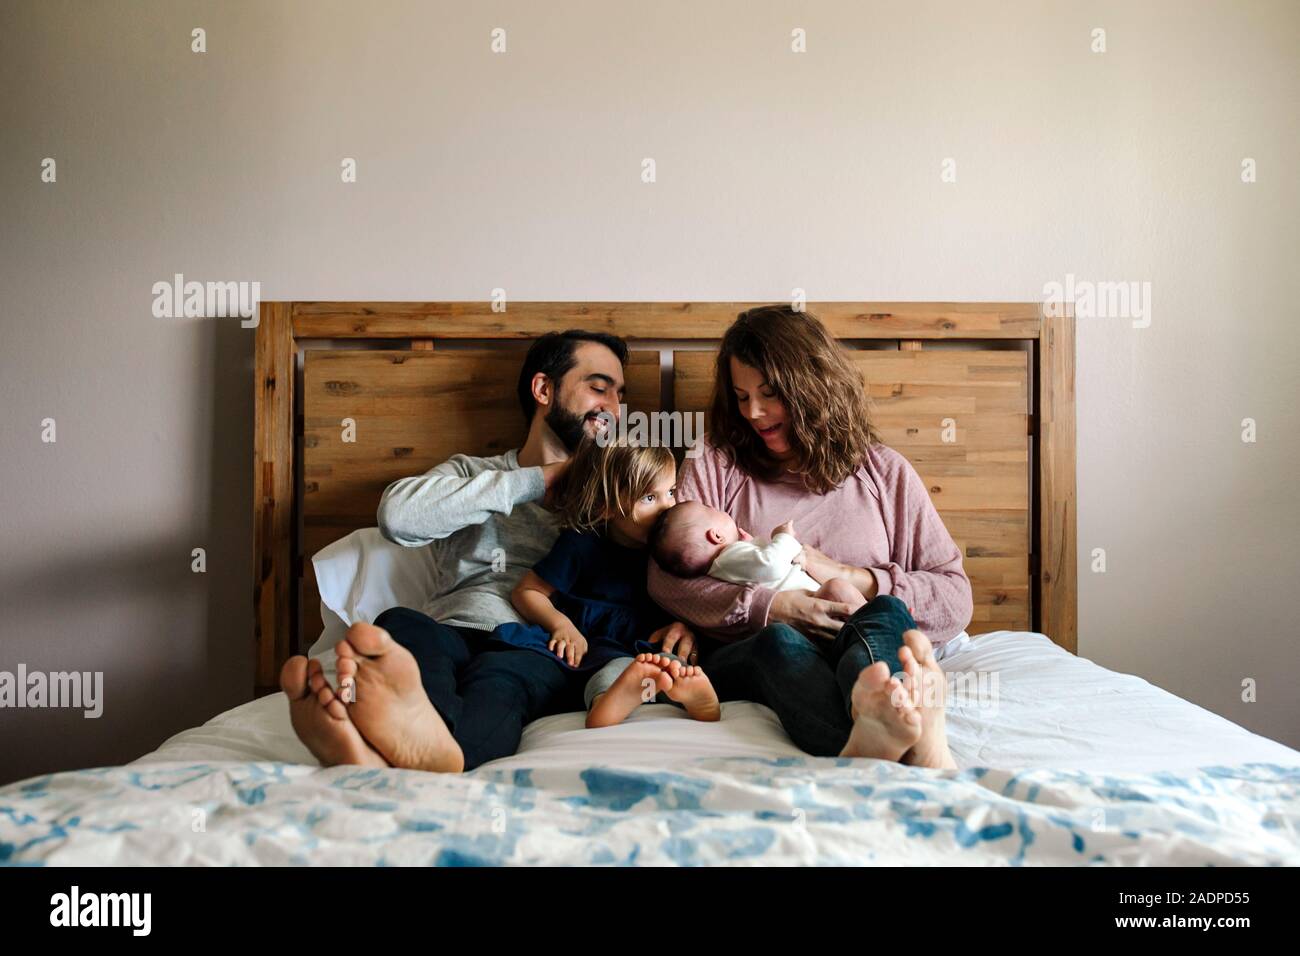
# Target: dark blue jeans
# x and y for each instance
(808, 682)
(485, 692)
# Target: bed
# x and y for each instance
(1060, 761)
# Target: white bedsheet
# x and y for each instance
(1076, 766)
(1052, 710)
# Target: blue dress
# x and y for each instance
(601, 587)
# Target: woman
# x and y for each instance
(790, 438)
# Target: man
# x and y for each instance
(426, 689)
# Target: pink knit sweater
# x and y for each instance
(881, 518)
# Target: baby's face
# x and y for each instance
(693, 535)
(710, 528)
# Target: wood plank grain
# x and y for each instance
(1058, 598)
(656, 320)
(273, 488)
(411, 411)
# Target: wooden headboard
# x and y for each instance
(978, 396)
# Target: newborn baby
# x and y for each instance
(691, 539)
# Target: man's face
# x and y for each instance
(594, 385)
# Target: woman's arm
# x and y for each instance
(925, 569)
(717, 608)
(822, 568)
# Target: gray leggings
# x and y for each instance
(604, 678)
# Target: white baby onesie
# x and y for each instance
(753, 562)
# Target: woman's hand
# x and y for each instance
(677, 639)
(568, 643)
(822, 568)
(819, 566)
(812, 617)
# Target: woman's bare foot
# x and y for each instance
(885, 721)
(389, 705)
(319, 718)
(629, 692)
(693, 691)
(928, 686)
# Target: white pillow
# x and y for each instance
(363, 575)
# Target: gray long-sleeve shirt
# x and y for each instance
(483, 521)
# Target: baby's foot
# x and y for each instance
(638, 684)
(693, 690)
(885, 720)
(319, 718)
(928, 686)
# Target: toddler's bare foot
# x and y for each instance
(885, 721)
(638, 684)
(693, 690)
(319, 718)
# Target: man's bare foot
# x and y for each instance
(693, 691)
(319, 718)
(928, 687)
(885, 721)
(638, 684)
(388, 703)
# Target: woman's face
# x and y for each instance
(759, 406)
(662, 495)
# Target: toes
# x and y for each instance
(293, 678)
(875, 677)
(899, 698)
(365, 640)
(329, 701)
(316, 680)
(919, 645)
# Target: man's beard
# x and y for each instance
(567, 426)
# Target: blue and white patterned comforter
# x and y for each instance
(789, 810)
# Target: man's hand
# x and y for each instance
(568, 644)
(812, 617)
(677, 639)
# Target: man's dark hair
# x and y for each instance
(552, 354)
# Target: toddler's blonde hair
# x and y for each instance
(605, 481)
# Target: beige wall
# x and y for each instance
(775, 170)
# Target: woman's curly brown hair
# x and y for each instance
(824, 395)
(603, 481)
